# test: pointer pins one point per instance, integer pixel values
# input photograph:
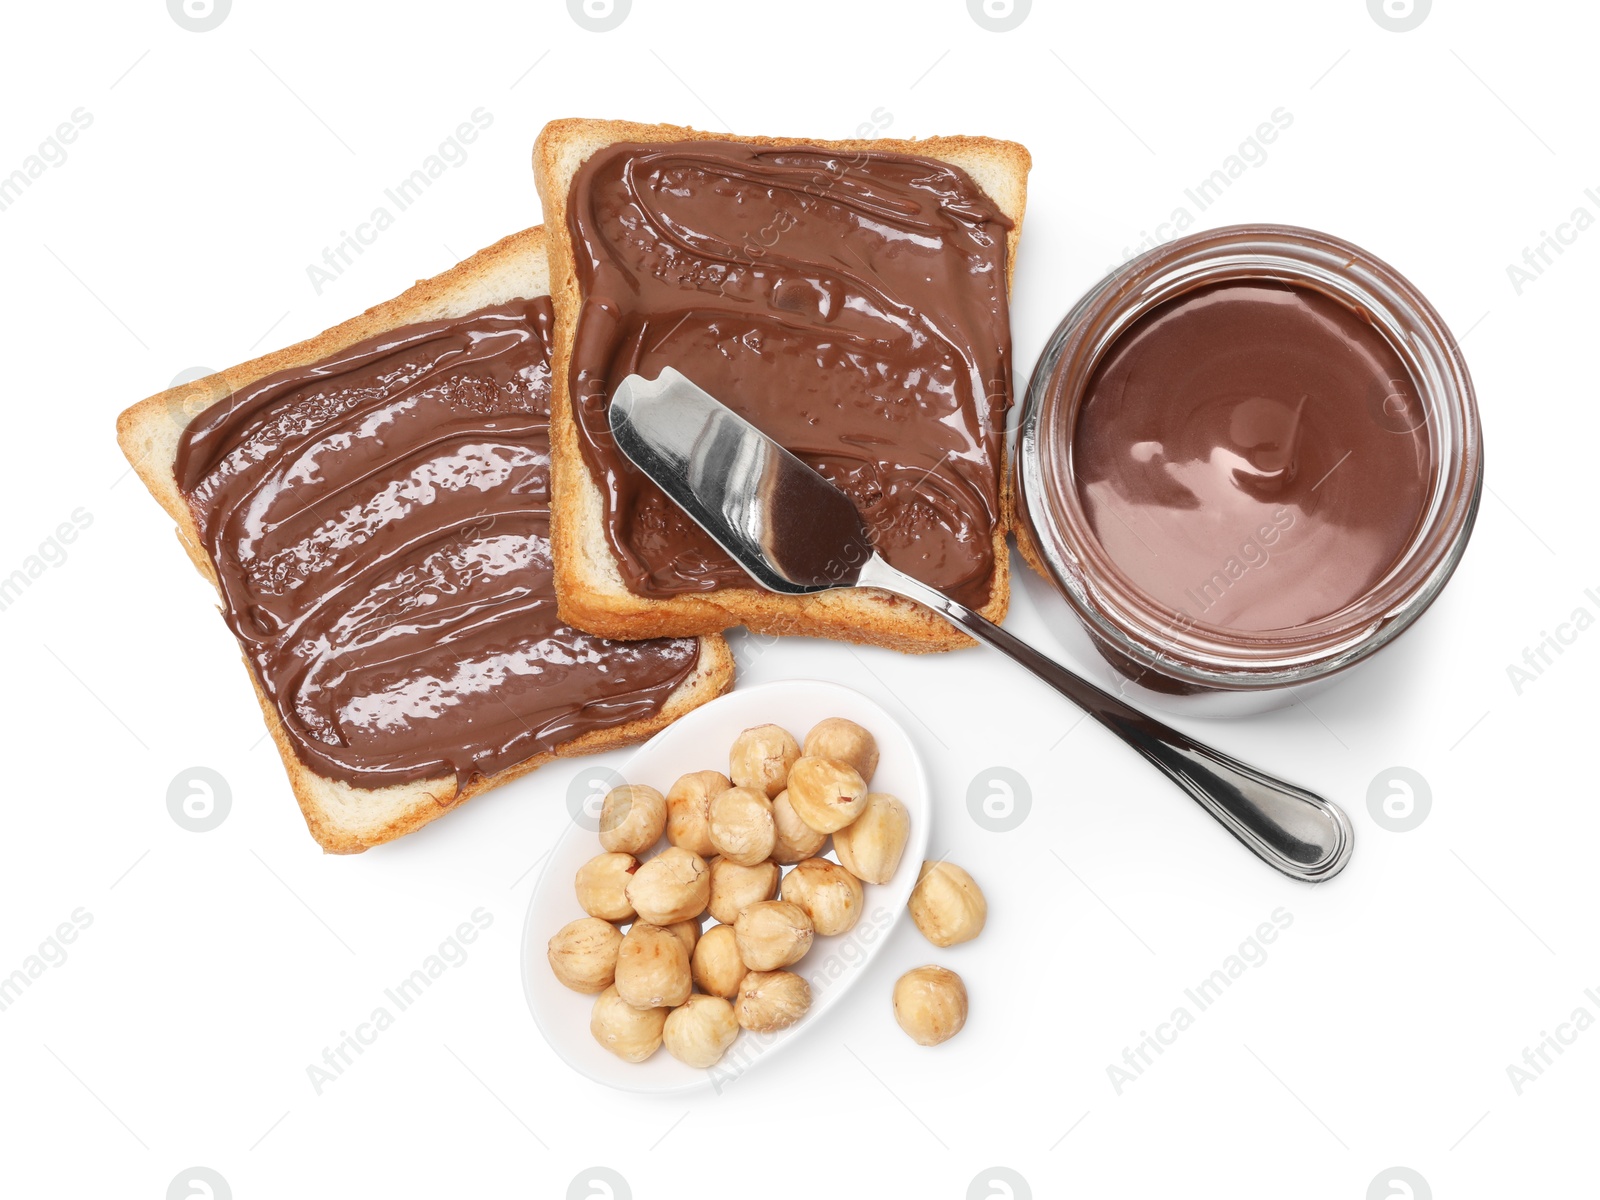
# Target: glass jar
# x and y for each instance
(1170, 658)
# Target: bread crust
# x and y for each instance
(589, 586)
(345, 819)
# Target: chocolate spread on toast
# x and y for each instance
(850, 304)
(379, 523)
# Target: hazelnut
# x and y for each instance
(583, 954)
(602, 886)
(717, 967)
(673, 886)
(689, 809)
(761, 758)
(687, 932)
(931, 1004)
(826, 893)
(870, 846)
(796, 840)
(772, 934)
(947, 905)
(734, 886)
(699, 1031)
(845, 741)
(652, 968)
(632, 1034)
(632, 819)
(771, 1000)
(742, 829)
(826, 794)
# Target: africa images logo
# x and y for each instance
(599, 16)
(999, 16)
(199, 16)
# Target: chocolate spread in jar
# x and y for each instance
(379, 524)
(851, 305)
(1242, 460)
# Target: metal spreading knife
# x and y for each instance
(797, 534)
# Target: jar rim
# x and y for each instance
(1157, 637)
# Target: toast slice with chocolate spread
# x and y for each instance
(348, 811)
(848, 297)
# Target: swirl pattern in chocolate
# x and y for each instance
(851, 305)
(379, 526)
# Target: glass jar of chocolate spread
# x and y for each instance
(1249, 459)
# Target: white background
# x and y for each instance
(178, 1031)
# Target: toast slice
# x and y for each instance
(342, 817)
(592, 592)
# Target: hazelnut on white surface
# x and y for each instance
(931, 1004)
(947, 904)
(845, 741)
(827, 893)
(826, 794)
(583, 954)
(795, 839)
(771, 1000)
(735, 887)
(870, 846)
(632, 1034)
(742, 828)
(671, 887)
(602, 886)
(700, 1030)
(761, 758)
(689, 809)
(632, 819)
(652, 967)
(717, 967)
(772, 934)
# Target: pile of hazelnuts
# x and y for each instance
(659, 980)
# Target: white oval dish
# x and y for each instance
(698, 742)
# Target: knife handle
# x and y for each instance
(1295, 831)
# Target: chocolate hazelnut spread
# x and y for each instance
(1243, 455)
(379, 524)
(851, 305)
